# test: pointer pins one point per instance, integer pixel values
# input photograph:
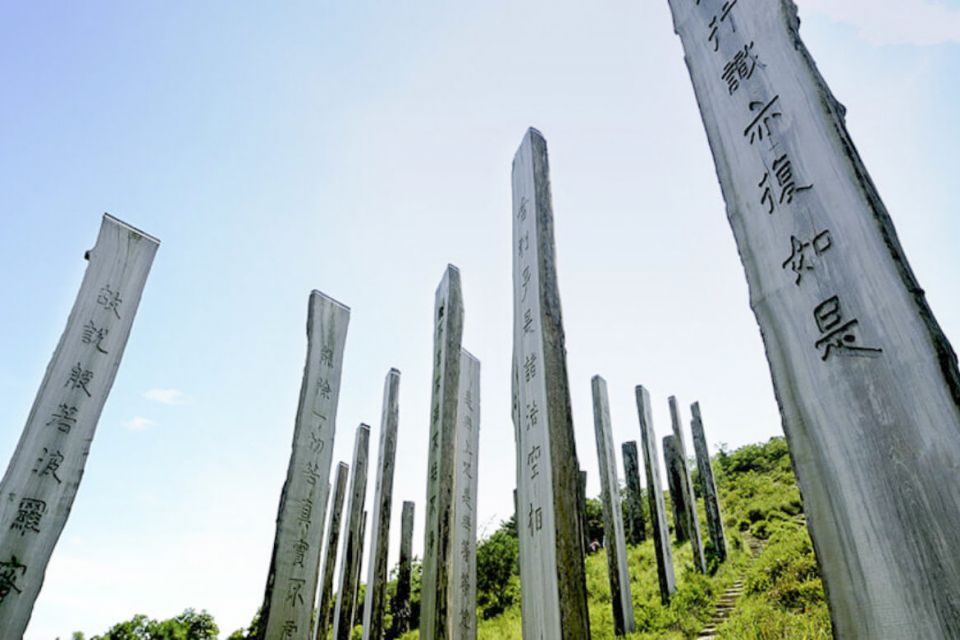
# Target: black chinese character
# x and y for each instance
(110, 300)
(80, 378)
(741, 67)
(28, 515)
(534, 519)
(530, 367)
(8, 576)
(759, 127)
(532, 413)
(837, 335)
(533, 461)
(717, 20)
(64, 418)
(798, 260)
(95, 336)
(48, 464)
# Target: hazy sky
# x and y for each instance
(357, 148)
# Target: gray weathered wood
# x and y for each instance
(711, 502)
(325, 597)
(463, 575)
(621, 599)
(673, 462)
(358, 559)
(373, 602)
(294, 565)
(436, 622)
(353, 543)
(44, 473)
(554, 603)
(658, 517)
(636, 528)
(690, 498)
(867, 383)
(400, 606)
(582, 511)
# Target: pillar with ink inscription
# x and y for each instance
(325, 597)
(711, 502)
(658, 516)
(436, 607)
(689, 497)
(616, 547)
(866, 381)
(552, 578)
(636, 528)
(44, 473)
(400, 605)
(373, 602)
(343, 612)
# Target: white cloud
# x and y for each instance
(139, 423)
(166, 396)
(917, 22)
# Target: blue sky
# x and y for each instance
(357, 149)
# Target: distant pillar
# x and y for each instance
(464, 566)
(330, 557)
(636, 528)
(582, 512)
(44, 474)
(696, 540)
(658, 518)
(358, 615)
(400, 607)
(295, 563)
(353, 544)
(373, 602)
(622, 600)
(436, 607)
(711, 502)
(678, 498)
(552, 576)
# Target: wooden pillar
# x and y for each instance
(554, 603)
(621, 599)
(330, 557)
(357, 614)
(582, 510)
(658, 517)
(400, 607)
(44, 473)
(696, 539)
(636, 528)
(673, 462)
(711, 502)
(353, 544)
(373, 602)
(436, 621)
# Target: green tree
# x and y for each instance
(498, 569)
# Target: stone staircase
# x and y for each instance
(728, 600)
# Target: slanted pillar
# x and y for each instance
(711, 503)
(582, 512)
(44, 473)
(436, 606)
(357, 614)
(636, 528)
(295, 563)
(400, 606)
(678, 497)
(330, 557)
(696, 540)
(658, 517)
(621, 599)
(866, 381)
(373, 602)
(343, 612)
(554, 603)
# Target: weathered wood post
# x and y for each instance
(464, 571)
(711, 502)
(295, 563)
(636, 528)
(357, 614)
(658, 517)
(436, 606)
(867, 383)
(696, 539)
(678, 498)
(554, 603)
(373, 602)
(330, 557)
(400, 606)
(44, 473)
(582, 512)
(353, 543)
(621, 599)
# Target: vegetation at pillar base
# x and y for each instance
(782, 597)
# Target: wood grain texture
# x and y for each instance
(678, 497)
(658, 516)
(295, 561)
(689, 497)
(436, 622)
(708, 487)
(325, 597)
(616, 546)
(343, 611)
(44, 473)
(867, 384)
(554, 603)
(400, 606)
(373, 603)
(635, 527)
